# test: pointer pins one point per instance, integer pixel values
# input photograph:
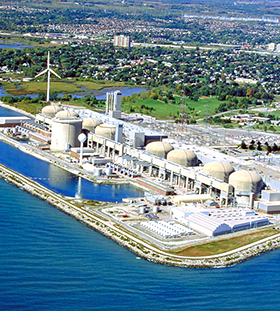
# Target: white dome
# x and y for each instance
(51, 110)
(106, 130)
(219, 170)
(90, 124)
(66, 114)
(246, 181)
(182, 157)
(159, 148)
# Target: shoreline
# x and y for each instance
(135, 245)
(121, 236)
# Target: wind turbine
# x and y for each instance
(49, 71)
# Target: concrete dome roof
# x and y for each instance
(246, 181)
(159, 148)
(106, 130)
(51, 110)
(66, 114)
(182, 157)
(90, 124)
(219, 170)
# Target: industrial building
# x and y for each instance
(136, 152)
(113, 104)
(269, 202)
(213, 222)
(12, 121)
(65, 130)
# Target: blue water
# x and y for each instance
(49, 261)
(8, 112)
(126, 91)
(13, 45)
(61, 181)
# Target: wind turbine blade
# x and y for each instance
(41, 73)
(54, 73)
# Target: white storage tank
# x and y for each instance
(64, 132)
(98, 171)
(108, 171)
(155, 209)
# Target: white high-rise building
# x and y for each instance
(271, 46)
(122, 41)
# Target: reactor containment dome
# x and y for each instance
(245, 182)
(106, 130)
(219, 170)
(51, 110)
(66, 114)
(183, 157)
(90, 124)
(159, 148)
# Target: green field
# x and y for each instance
(67, 87)
(225, 245)
(98, 85)
(161, 110)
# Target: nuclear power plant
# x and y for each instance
(149, 157)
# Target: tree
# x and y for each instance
(243, 145)
(269, 149)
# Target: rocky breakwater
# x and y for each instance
(127, 239)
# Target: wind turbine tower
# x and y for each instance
(49, 71)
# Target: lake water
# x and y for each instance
(49, 261)
(61, 181)
(13, 45)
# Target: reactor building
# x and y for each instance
(66, 126)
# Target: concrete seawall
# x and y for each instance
(130, 241)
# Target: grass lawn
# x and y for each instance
(98, 85)
(225, 245)
(204, 106)
(162, 111)
(29, 107)
(36, 87)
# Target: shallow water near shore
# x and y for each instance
(60, 180)
(49, 261)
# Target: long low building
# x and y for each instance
(12, 121)
(144, 162)
(212, 222)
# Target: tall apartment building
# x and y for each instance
(271, 46)
(122, 41)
